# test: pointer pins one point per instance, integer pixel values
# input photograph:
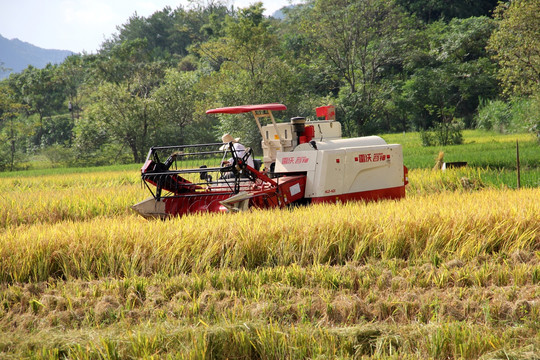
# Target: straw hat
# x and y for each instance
(227, 138)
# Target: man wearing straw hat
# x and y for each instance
(239, 149)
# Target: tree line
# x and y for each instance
(400, 65)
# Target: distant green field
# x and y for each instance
(480, 149)
(493, 153)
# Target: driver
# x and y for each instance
(239, 148)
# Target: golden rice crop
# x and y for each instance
(81, 181)
(57, 198)
(54, 198)
(448, 225)
(46, 206)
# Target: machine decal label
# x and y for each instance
(295, 189)
(376, 157)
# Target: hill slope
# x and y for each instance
(16, 55)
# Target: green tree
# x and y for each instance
(170, 33)
(11, 128)
(91, 139)
(248, 44)
(119, 63)
(359, 41)
(434, 10)
(178, 98)
(454, 74)
(127, 117)
(516, 46)
(156, 30)
(41, 91)
(127, 110)
(73, 73)
(250, 70)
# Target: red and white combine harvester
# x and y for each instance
(304, 162)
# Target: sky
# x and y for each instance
(83, 25)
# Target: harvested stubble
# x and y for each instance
(380, 308)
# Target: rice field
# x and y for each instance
(450, 272)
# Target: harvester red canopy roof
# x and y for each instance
(246, 108)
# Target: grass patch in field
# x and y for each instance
(480, 149)
(427, 181)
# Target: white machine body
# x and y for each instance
(336, 168)
(334, 171)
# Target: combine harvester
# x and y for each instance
(304, 162)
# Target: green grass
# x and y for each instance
(490, 156)
(423, 181)
(480, 149)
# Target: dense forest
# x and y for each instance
(387, 65)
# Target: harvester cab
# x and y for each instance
(287, 136)
(304, 162)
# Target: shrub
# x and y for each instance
(58, 154)
(518, 115)
(106, 154)
(494, 115)
(533, 123)
(443, 133)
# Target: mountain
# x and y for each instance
(280, 14)
(16, 55)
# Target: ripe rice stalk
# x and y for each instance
(464, 225)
